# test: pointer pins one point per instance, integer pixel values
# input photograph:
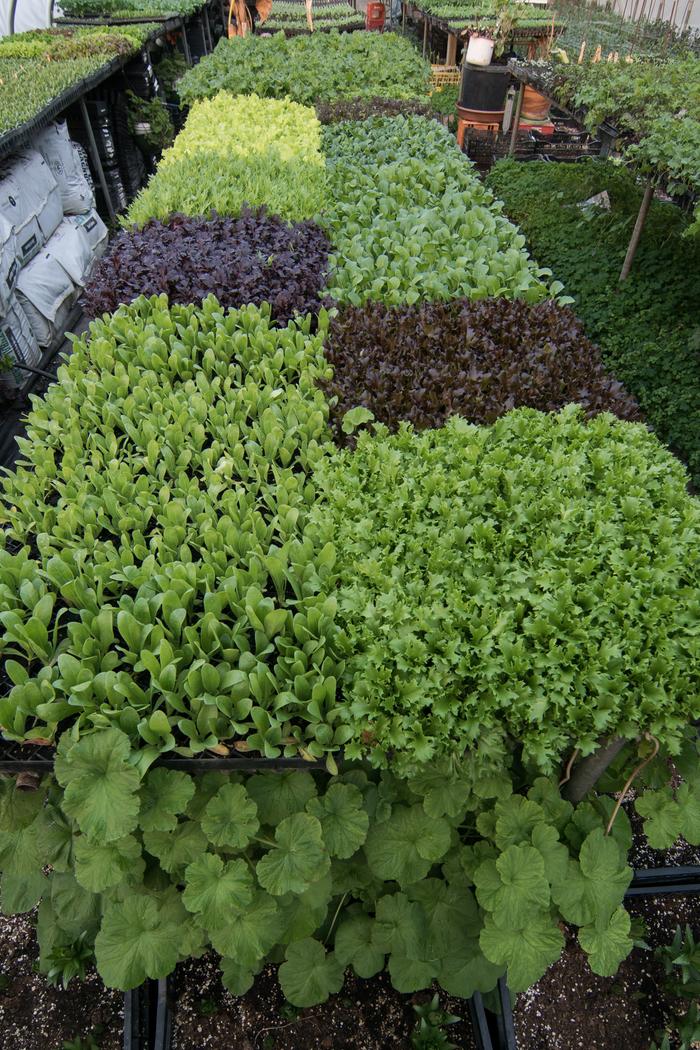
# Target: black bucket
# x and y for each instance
(484, 88)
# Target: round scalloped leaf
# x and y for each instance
(301, 914)
(135, 942)
(178, 848)
(165, 793)
(230, 818)
(662, 817)
(526, 952)
(236, 979)
(516, 819)
(467, 970)
(100, 866)
(354, 946)
(298, 859)
(688, 797)
(607, 942)
(596, 885)
(75, 909)
(557, 810)
(248, 936)
(451, 911)
(101, 786)
(405, 847)
(21, 893)
(309, 975)
(20, 851)
(400, 925)
(280, 795)
(18, 809)
(513, 885)
(343, 819)
(410, 975)
(214, 889)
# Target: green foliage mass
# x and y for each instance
(655, 108)
(36, 67)
(166, 584)
(317, 67)
(647, 327)
(124, 9)
(237, 151)
(410, 220)
(290, 17)
(356, 871)
(530, 584)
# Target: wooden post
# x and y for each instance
(451, 57)
(516, 120)
(403, 17)
(425, 34)
(637, 231)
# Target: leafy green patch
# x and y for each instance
(647, 327)
(323, 66)
(410, 220)
(234, 152)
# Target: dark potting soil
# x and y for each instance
(365, 1015)
(35, 1015)
(571, 1008)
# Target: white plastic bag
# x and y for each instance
(30, 200)
(54, 144)
(45, 289)
(9, 266)
(94, 233)
(18, 344)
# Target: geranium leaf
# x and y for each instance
(213, 889)
(248, 936)
(354, 946)
(176, 849)
(662, 817)
(20, 893)
(309, 974)
(135, 942)
(526, 952)
(101, 786)
(230, 818)
(596, 885)
(237, 979)
(301, 914)
(405, 847)
(280, 795)
(607, 942)
(513, 886)
(298, 859)
(343, 819)
(99, 866)
(165, 793)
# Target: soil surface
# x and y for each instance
(571, 1008)
(365, 1015)
(35, 1015)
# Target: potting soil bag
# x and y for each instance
(30, 200)
(45, 288)
(60, 153)
(9, 266)
(18, 344)
(93, 232)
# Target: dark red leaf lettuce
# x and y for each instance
(426, 362)
(254, 258)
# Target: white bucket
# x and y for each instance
(479, 50)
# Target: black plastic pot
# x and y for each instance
(136, 1018)
(484, 88)
(655, 882)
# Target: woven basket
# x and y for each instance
(441, 76)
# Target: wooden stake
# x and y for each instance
(516, 122)
(581, 53)
(637, 231)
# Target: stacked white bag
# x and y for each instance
(50, 238)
